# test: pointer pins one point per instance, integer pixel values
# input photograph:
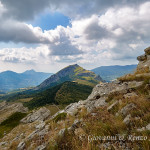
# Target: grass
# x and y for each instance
(59, 117)
(139, 75)
(24, 100)
(55, 108)
(91, 83)
(11, 122)
(103, 123)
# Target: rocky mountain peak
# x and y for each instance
(144, 61)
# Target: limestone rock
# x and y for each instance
(134, 84)
(61, 132)
(32, 135)
(104, 89)
(40, 126)
(76, 123)
(127, 119)
(141, 58)
(144, 61)
(21, 146)
(42, 132)
(148, 127)
(72, 109)
(125, 110)
(144, 128)
(147, 51)
(141, 129)
(40, 115)
(41, 147)
(130, 95)
(3, 143)
(100, 102)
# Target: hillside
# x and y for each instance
(10, 80)
(62, 94)
(109, 73)
(116, 115)
(71, 73)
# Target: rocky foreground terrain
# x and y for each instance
(115, 116)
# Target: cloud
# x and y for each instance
(27, 9)
(101, 32)
(24, 55)
(64, 48)
(14, 31)
(112, 23)
(24, 9)
(64, 44)
(117, 31)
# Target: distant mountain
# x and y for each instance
(62, 94)
(10, 80)
(71, 73)
(109, 73)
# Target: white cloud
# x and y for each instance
(24, 55)
(116, 36)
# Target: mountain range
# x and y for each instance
(72, 77)
(109, 73)
(10, 80)
(71, 73)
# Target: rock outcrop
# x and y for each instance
(144, 61)
(7, 109)
(99, 95)
(39, 115)
(125, 110)
(127, 119)
(21, 146)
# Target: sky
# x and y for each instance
(48, 35)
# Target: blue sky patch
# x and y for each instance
(48, 21)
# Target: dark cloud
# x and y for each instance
(24, 9)
(95, 32)
(28, 9)
(19, 32)
(64, 48)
